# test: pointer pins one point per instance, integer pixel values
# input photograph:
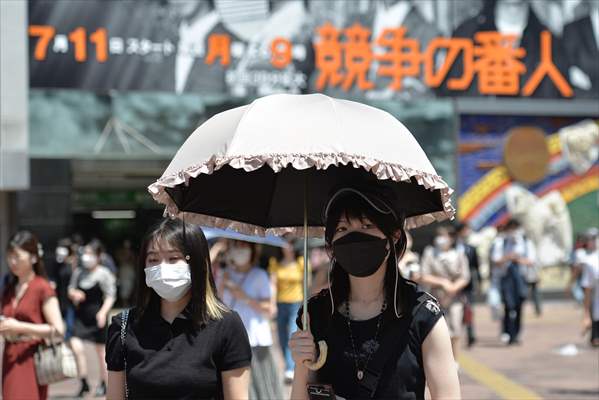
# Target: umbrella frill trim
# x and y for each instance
(381, 169)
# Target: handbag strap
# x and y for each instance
(124, 318)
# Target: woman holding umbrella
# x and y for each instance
(385, 339)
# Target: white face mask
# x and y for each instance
(442, 242)
(89, 261)
(61, 254)
(240, 256)
(169, 281)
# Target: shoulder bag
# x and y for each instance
(54, 362)
(124, 318)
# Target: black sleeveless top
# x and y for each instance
(402, 375)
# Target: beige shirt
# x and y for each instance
(451, 264)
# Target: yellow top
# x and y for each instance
(289, 280)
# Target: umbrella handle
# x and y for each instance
(322, 357)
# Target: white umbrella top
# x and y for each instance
(300, 132)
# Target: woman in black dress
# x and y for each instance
(93, 292)
(180, 341)
(385, 338)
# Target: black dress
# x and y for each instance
(97, 285)
(402, 376)
(178, 360)
(61, 276)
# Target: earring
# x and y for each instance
(187, 257)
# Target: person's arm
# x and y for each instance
(53, 328)
(425, 276)
(263, 304)
(460, 283)
(104, 310)
(587, 321)
(115, 360)
(108, 286)
(531, 254)
(303, 348)
(116, 385)
(236, 383)
(586, 282)
(434, 281)
(75, 295)
(498, 258)
(302, 376)
(273, 297)
(476, 268)
(439, 364)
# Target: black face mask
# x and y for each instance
(360, 254)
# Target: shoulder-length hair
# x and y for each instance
(28, 242)
(191, 242)
(352, 206)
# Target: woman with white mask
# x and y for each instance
(179, 341)
(246, 289)
(445, 273)
(93, 291)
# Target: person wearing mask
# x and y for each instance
(286, 278)
(409, 265)
(180, 341)
(246, 289)
(512, 254)
(462, 233)
(574, 289)
(385, 338)
(93, 292)
(105, 258)
(64, 266)
(590, 283)
(446, 272)
(532, 278)
(319, 265)
(30, 313)
(495, 273)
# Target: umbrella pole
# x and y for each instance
(305, 301)
(322, 345)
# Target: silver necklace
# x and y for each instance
(360, 370)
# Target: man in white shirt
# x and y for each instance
(589, 259)
(513, 255)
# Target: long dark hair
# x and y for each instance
(190, 241)
(352, 206)
(27, 241)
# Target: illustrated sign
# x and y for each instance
(379, 50)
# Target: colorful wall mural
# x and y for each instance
(561, 201)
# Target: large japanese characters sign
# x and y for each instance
(376, 49)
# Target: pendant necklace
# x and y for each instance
(360, 370)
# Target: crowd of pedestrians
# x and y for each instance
(206, 316)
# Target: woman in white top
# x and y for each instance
(246, 289)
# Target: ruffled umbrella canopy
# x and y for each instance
(248, 168)
(271, 166)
